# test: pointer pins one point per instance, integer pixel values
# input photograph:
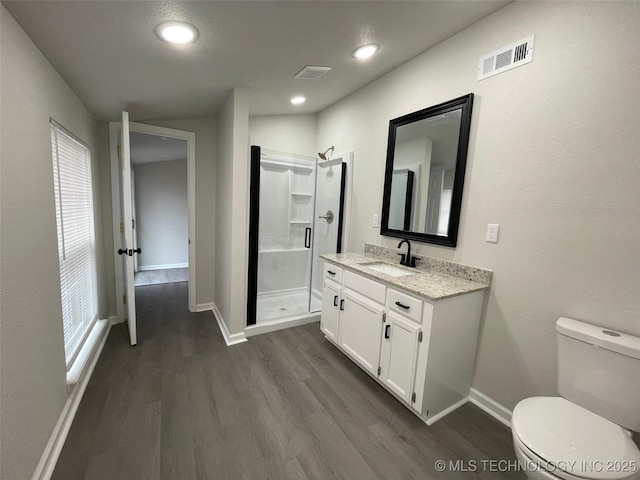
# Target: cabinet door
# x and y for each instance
(360, 330)
(398, 357)
(330, 311)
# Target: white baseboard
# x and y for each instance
(228, 338)
(276, 325)
(113, 320)
(49, 458)
(144, 268)
(431, 420)
(204, 307)
(490, 406)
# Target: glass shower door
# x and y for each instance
(286, 211)
(327, 229)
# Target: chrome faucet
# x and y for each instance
(407, 260)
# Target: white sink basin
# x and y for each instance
(390, 270)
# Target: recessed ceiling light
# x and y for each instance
(298, 100)
(365, 51)
(177, 32)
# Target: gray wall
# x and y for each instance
(553, 158)
(32, 362)
(162, 214)
(205, 130)
(285, 133)
(231, 213)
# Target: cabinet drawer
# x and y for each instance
(408, 306)
(370, 289)
(332, 272)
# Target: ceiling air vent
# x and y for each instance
(506, 58)
(311, 72)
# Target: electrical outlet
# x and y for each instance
(493, 229)
(375, 221)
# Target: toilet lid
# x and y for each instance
(575, 440)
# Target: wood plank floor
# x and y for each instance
(181, 405)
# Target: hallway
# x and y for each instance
(181, 405)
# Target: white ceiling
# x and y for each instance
(147, 148)
(110, 55)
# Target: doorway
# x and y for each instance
(149, 261)
(160, 209)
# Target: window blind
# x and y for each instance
(76, 238)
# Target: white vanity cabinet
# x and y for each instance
(359, 329)
(422, 351)
(398, 355)
(331, 294)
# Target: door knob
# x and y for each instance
(137, 250)
(122, 252)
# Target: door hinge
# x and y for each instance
(384, 317)
(413, 397)
(119, 152)
(121, 227)
(379, 370)
(124, 299)
(420, 336)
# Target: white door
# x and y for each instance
(398, 357)
(127, 227)
(360, 329)
(330, 310)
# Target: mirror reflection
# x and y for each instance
(423, 171)
(426, 159)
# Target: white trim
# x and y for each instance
(204, 307)
(431, 420)
(49, 457)
(490, 406)
(274, 326)
(146, 268)
(85, 353)
(228, 338)
(113, 320)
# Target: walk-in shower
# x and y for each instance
(296, 212)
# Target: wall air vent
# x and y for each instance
(311, 72)
(506, 58)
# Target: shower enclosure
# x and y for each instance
(296, 211)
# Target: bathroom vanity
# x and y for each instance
(414, 330)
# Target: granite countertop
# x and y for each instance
(433, 285)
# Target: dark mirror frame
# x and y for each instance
(466, 103)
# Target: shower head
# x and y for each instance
(324, 155)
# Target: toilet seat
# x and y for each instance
(572, 442)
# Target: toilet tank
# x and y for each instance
(599, 369)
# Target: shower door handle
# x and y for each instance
(307, 237)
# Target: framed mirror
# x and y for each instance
(424, 177)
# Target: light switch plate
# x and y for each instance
(493, 229)
(375, 221)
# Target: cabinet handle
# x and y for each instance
(335, 301)
(342, 304)
(386, 331)
(330, 272)
(406, 307)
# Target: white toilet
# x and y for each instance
(585, 434)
